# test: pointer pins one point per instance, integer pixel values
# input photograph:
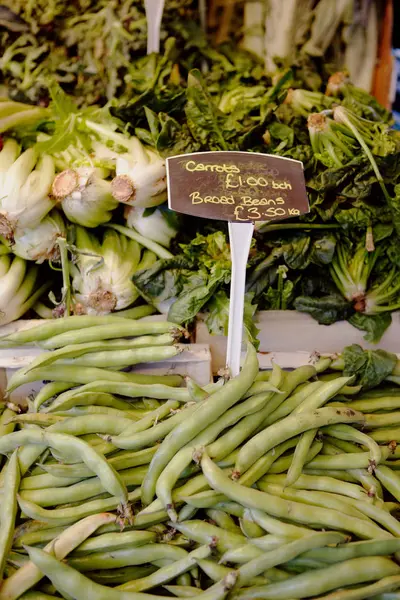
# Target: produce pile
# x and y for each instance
(84, 195)
(274, 485)
(85, 45)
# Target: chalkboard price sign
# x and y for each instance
(236, 186)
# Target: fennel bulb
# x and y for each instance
(25, 182)
(102, 272)
(141, 179)
(40, 243)
(152, 224)
(19, 288)
(85, 196)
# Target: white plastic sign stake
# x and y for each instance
(239, 187)
(240, 235)
(154, 12)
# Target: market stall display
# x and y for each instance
(127, 470)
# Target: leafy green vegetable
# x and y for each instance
(370, 366)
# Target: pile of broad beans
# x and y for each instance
(118, 486)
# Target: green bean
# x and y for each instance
(323, 484)
(295, 511)
(39, 482)
(137, 312)
(369, 405)
(186, 513)
(88, 375)
(184, 456)
(216, 571)
(37, 595)
(312, 583)
(289, 427)
(121, 460)
(205, 413)
(168, 572)
(205, 533)
(223, 520)
(165, 410)
(124, 557)
(133, 414)
(385, 434)
(228, 442)
(293, 400)
(339, 475)
(114, 541)
(264, 463)
(182, 591)
(360, 460)
(355, 550)
(315, 400)
(283, 464)
(111, 359)
(9, 508)
(250, 529)
(66, 516)
(92, 423)
(291, 381)
(242, 554)
(39, 537)
(314, 498)
(389, 479)
(269, 542)
(148, 437)
(368, 482)
(348, 433)
(261, 387)
(82, 490)
(300, 456)
(286, 552)
(7, 423)
(386, 584)
(76, 350)
(42, 331)
(122, 575)
(16, 559)
(41, 419)
(29, 575)
(116, 329)
(49, 391)
(129, 390)
(80, 587)
(196, 392)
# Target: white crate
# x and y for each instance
(293, 336)
(194, 361)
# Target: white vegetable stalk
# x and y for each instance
(85, 196)
(153, 227)
(140, 180)
(102, 272)
(41, 242)
(25, 182)
(19, 289)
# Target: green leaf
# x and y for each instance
(370, 366)
(326, 310)
(202, 114)
(217, 317)
(374, 325)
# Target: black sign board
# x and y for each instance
(236, 186)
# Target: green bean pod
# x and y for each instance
(319, 581)
(295, 511)
(9, 507)
(80, 587)
(205, 413)
(29, 575)
(289, 427)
